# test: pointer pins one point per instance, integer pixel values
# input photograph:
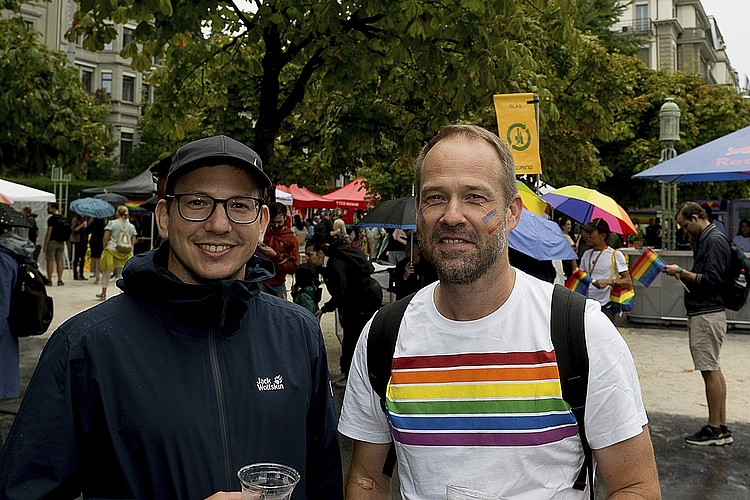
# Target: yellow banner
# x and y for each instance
(516, 125)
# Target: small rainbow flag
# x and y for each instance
(579, 282)
(621, 299)
(647, 267)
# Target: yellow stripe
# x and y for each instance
(469, 391)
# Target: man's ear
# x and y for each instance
(162, 218)
(514, 211)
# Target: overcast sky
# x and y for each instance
(733, 18)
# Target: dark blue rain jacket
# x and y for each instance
(166, 390)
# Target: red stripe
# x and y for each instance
(486, 359)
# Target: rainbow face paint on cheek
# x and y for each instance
(421, 222)
(492, 221)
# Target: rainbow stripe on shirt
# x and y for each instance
(487, 399)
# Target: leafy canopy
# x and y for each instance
(48, 118)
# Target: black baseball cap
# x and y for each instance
(216, 150)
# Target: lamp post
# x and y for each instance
(669, 133)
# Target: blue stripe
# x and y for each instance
(487, 423)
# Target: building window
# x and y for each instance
(29, 25)
(107, 83)
(127, 36)
(126, 148)
(128, 88)
(641, 17)
(644, 55)
(87, 78)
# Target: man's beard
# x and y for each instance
(471, 267)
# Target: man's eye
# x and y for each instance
(196, 202)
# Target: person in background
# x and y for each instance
(713, 220)
(742, 238)
(300, 232)
(306, 290)
(281, 247)
(32, 229)
(653, 233)
(566, 225)
(80, 239)
(14, 249)
(707, 318)
(359, 241)
(114, 260)
(165, 390)
(413, 272)
(605, 265)
(54, 242)
(469, 401)
(339, 227)
(96, 246)
(355, 295)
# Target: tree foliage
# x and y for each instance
(708, 112)
(48, 118)
(323, 88)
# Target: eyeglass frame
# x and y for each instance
(217, 201)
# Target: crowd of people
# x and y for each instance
(207, 362)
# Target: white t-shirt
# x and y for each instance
(598, 265)
(115, 227)
(478, 403)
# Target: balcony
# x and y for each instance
(634, 27)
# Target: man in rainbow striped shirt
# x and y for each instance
(474, 398)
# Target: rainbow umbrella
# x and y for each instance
(5, 199)
(583, 205)
(531, 201)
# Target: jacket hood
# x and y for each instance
(16, 244)
(219, 305)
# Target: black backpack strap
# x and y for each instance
(381, 344)
(569, 338)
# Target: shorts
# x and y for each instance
(55, 250)
(706, 332)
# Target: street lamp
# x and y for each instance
(669, 133)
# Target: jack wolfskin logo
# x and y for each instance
(266, 384)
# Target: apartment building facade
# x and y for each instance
(678, 35)
(107, 76)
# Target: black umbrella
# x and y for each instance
(10, 217)
(113, 198)
(395, 214)
(150, 204)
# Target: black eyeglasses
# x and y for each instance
(200, 207)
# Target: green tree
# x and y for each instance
(708, 112)
(412, 65)
(48, 118)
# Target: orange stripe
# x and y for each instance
(474, 375)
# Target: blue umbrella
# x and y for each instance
(724, 159)
(92, 207)
(540, 238)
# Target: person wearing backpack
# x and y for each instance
(707, 319)
(474, 397)
(357, 295)
(119, 240)
(13, 250)
(58, 233)
(306, 290)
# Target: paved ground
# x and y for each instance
(672, 391)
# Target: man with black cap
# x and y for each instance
(605, 265)
(168, 389)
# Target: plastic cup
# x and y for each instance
(267, 481)
(462, 493)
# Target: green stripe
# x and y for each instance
(477, 406)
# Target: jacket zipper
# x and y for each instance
(219, 387)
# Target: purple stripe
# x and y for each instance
(485, 439)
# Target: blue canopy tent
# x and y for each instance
(724, 159)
